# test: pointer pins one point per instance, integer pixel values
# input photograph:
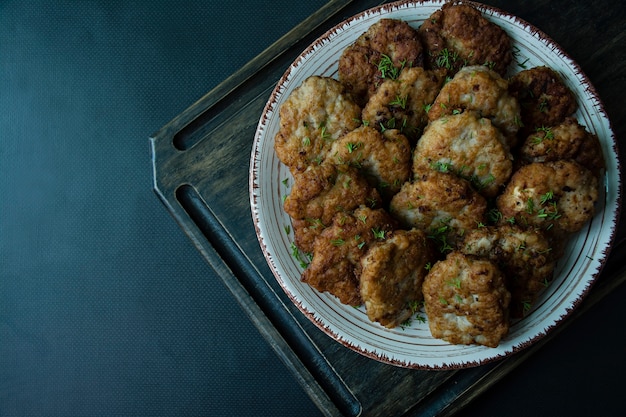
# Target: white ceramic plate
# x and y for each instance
(413, 346)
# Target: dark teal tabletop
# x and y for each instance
(106, 307)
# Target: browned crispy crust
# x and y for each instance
(403, 103)
(314, 115)
(337, 252)
(523, 255)
(458, 35)
(305, 232)
(392, 274)
(359, 63)
(436, 201)
(384, 159)
(567, 140)
(558, 196)
(467, 146)
(323, 190)
(544, 98)
(466, 301)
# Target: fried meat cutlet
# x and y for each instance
(384, 159)
(567, 140)
(467, 146)
(337, 252)
(392, 272)
(523, 255)
(484, 91)
(458, 35)
(554, 196)
(314, 115)
(442, 204)
(403, 103)
(466, 301)
(323, 190)
(380, 53)
(545, 100)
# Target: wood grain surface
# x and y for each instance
(201, 167)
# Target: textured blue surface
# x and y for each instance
(106, 308)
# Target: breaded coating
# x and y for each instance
(323, 190)
(337, 252)
(380, 53)
(557, 196)
(442, 204)
(314, 115)
(458, 35)
(466, 301)
(469, 147)
(523, 255)
(544, 98)
(404, 103)
(305, 232)
(392, 272)
(484, 91)
(568, 140)
(384, 159)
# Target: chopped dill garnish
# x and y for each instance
(388, 69)
(447, 59)
(302, 258)
(379, 233)
(399, 101)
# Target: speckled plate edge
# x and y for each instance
(413, 346)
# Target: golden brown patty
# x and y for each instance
(544, 98)
(337, 252)
(403, 103)
(392, 274)
(386, 47)
(568, 140)
(557, 196)
(323, 190)
(466, 301)
(314, 115)
(458, 35)
(384, 159)
(442, 204)
(523, 255)
(479, 89)
(469, 147)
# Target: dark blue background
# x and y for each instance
(106, 308)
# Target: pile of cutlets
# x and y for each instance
(425, 180)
